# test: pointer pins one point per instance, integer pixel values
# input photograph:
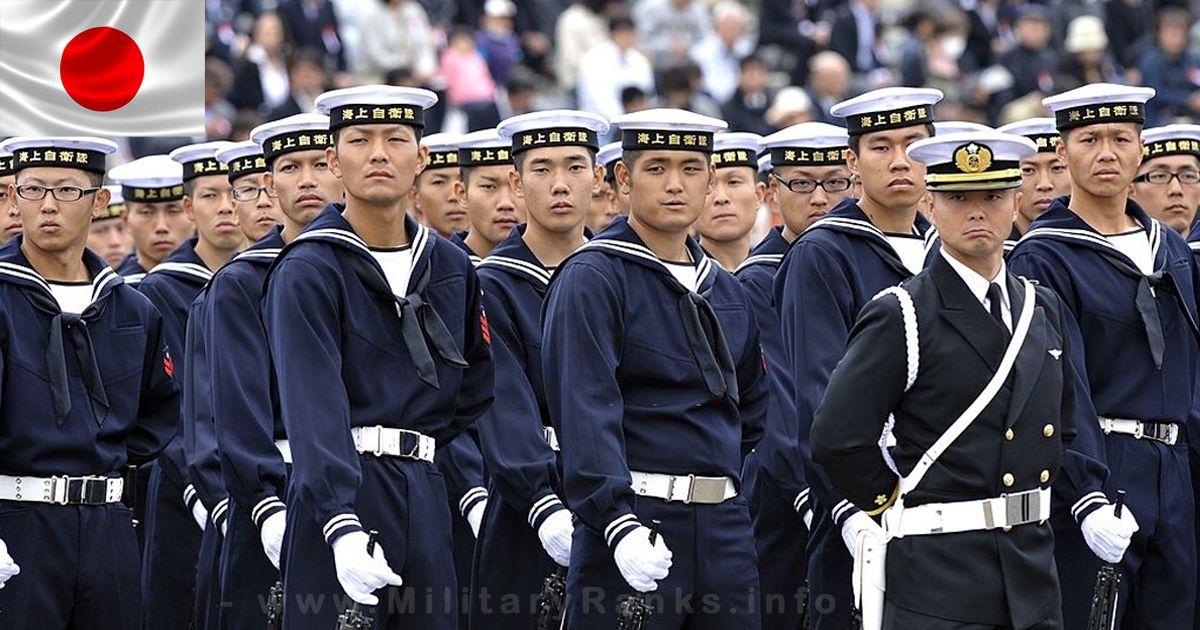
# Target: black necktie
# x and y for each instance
(994, 297)
(69, 329)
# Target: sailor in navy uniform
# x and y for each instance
(608, 156)
(732, 207)
(108, 235)
(1044, 176)
(10, 218)
(1167, 185)
(971, 546)
(176, 514)
(858, 249)
(87, 389)
(252, 443)
(655, 382)
(434, 198)
(605, 205)
(153, 190)
(1130, 285)
(485, 161)
(808, 177)
(526, 532)
(380, 350)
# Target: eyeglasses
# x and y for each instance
(1160, 178)
(248, 193)
(833, 184)
(61, 193)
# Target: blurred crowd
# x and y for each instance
(761, 66)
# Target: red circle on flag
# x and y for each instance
(102, 69)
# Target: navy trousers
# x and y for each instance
(79, 567)
(781, 539)
(405, 500)
(246, 575)
(895, 618)
(464, 553)
(712, 585)
(208, 578)
(830, 566)
(1158, 572)
(510, 567)
(170, 556)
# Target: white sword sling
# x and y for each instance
(869, 576)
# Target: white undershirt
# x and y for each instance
(978, 286)
(71, 297)
(686, 273)
(910, 249)
(397, 267)
(1135, 245)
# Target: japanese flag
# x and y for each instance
(101, 67)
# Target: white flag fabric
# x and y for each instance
(102, 67)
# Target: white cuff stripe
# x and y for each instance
(541, 506)
(841, 508)
(1088, 499)
(801, 499)
(341, 520)
(471, 495)
(189, 493)
(615, 526)
(263, 506)
(220, 508)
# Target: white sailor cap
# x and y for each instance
(376, 104)
(1099, 103)
(807, 144)
(150, 179)
(301, 132)
(737, 148)
(200, 160)
(243, 158)
(887, 108)
(1041, 130)
(972, 161)
(116, 205)
(484, 148)
(443, 150)
(764, 163)
(6, 165)
(958, 126)
(1178, 139)
(553, 128)
(667, 129)
(82, 152)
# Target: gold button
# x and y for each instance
(1009, 480)
(1045, 476)
(1008, 434)
(1048, 430)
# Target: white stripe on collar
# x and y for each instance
(191, 269)
(106, 277)
(704, 266)
(1087, 236)
(760, 259)
(266, 253)
(336, 233)
(135, 278)
(1195, 245)
(854, 224)
(537, 273)
(25, 273)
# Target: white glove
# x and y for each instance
(640, 563)
(359, 574)
(857, 525)
(8, 567)
(807, 519)
(200, 514)
(271, 533)
(1106, 535)
(475, 517)
(555, 534)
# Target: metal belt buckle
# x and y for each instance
(1172, 437)
(1139, 429)
(93, 490)
(1022, 508)
(708, 490)
(58, 490)
(414, 451)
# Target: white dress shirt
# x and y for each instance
(978, 286)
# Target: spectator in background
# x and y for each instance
(224, 20)
(679, 88)
(634, 99)
(828, 84)
(1170, 69)
(667, 29)
(746, 109)
(465, 71)
(791, 107)
(922, 29)
(307, 79)
(583, 25)
(397, 35)
(218, 112)
(1130, 25)
(515, 98)
(983, 33)
(260, 80)
(314, 24)
(619, 64)
(718, 54)
(855, 34)
(499, 45)
(789, 28)
(1087, 59)
(1032, 62)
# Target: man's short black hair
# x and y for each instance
(750, 60)
(620, 23)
